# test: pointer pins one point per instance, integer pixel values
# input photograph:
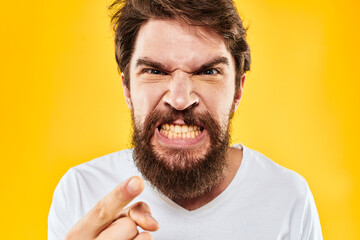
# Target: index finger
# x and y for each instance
(107, 209)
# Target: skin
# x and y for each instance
(109, 219)
(166, 72)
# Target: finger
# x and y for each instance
(123, 228)
(144, 236)
(107, 209)
(140, 213)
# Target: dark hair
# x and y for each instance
(127, 16)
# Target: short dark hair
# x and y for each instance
(127, 16)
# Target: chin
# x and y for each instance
(181, 157)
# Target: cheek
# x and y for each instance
(218, 99)
(145, 98)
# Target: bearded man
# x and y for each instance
(183, 68)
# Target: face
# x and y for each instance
(182, 93)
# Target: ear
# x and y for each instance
(127, 94)
(239, 92)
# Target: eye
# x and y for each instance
(154, 71)
(211, 71)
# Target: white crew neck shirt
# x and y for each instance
(263, 201)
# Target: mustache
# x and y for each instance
(158, 117)
(169, 116)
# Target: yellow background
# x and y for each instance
(62, 104)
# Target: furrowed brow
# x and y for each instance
(214, 62)
(157, 65)
(149, 63)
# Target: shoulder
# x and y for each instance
(99, 175)
(82, 186)
(280, 194)
(116, 166)
(118, 162)
(289, 193)
(274, 177)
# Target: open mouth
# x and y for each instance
(176, 131)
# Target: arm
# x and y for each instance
(310, 228)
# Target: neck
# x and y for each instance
(234, 159)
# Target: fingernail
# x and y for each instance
(134, 186)
(149, 217)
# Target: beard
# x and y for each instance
(178, 173)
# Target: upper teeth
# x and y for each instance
(180, 128)
(180, 131)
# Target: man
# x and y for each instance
(183, 67)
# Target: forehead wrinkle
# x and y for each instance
(204, 33)
(176, 59)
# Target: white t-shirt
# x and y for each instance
(264, 201)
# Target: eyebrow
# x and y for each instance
(157, 65)
(150, 63)
(211, 63)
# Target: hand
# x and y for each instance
(109, 220)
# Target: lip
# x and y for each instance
(179, 122)
(180, 142)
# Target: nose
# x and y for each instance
(180, 94)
